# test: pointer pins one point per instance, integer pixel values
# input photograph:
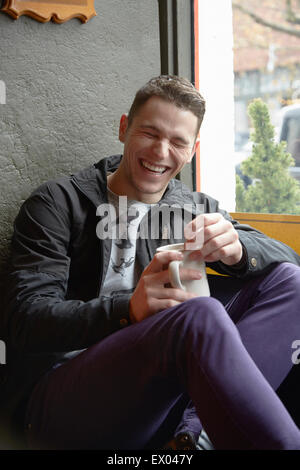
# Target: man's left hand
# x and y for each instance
(219, 240)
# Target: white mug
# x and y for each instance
(196, 286)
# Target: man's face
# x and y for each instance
(157, 144)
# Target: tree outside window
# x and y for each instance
(267, 66)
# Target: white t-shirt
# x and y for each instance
(124, 271)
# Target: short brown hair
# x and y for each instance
(177, 90)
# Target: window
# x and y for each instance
(266, 39)
(249, 50)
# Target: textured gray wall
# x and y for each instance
(66, 87)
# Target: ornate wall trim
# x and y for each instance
(58, 11)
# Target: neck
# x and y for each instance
(116, 184)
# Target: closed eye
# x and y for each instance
(180, 144)
(149, 131)
(150, 134)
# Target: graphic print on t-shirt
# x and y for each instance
(124, 270)
(126, 243)
(123, 245)
(120, 269)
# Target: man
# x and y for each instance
(104, 353)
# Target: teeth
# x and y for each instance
(157, 169)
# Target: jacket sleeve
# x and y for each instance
(38, 317)
(261, 252)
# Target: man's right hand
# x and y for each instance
(150, 295)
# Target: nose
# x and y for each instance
(161, 148)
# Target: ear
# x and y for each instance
(123, 128)
(194, 149)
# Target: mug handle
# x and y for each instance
(174, 274)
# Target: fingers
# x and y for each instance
(161, 259)
(218, 228)
(218, 246)
(151, 295)
(221, 241)
(204, 227)
(170, 293)
(160, 298)
(158, 305)
(161, 278)
(200, 222)
(224, 254)
(210, 224)
(194, 233)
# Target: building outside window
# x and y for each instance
(247, 50)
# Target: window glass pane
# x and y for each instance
(267, 66)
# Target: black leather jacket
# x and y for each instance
(54, 304)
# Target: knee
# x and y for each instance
(205, 315)
(289, 268)
(196, 323)
(282, 284)
(288, 273)
(205, 305)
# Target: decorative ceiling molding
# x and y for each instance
(58, 11)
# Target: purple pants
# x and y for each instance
(133, 389)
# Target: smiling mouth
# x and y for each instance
(158, 170)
